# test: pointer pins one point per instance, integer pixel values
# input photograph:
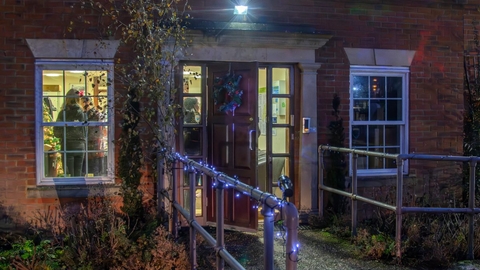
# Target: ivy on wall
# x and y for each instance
(336, 165)
(471, 122)
(153, 34)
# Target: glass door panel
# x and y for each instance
(280, 140)
(192, 124)
(275, 102)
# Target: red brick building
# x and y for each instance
(396, 65)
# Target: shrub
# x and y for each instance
(92, 235)
(159, 252)
(27, 254)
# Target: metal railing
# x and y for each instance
(269, 203)
(398, 208)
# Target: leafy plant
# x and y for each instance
(336, 168)
(152, 32)
(28, 255)
(471, 122)
(95, 235)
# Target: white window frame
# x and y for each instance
(80, 64)
(385, 71)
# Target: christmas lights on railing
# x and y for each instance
(284, 184)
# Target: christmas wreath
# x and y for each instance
(226, 92)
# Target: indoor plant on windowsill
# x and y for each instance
(51, 144)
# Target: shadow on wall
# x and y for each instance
(10, 218)
(84, 202)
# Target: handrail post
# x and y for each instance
(291, 221)
(193, 242)
(471, 205)
(354, 193)
(174, 223)
(268, 228)
(220, 193)
(399, 204)
(320, 182)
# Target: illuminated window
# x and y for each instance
(378, 114)
(75, 124)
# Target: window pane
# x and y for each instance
(392, 135)
(74, 162)
(360, 87)
(280, 140)
(377, 110)
(394, 110)
(198, 178)
(375, 162)
(391, 163)
(377, 87)
(360, 109)
(192, 141)
(96, 164)
(186, 199)
(280, 110)
(359, 136)
(279, 167)
(362, 160)
(53, 164)
(375, 135)
(192, 79)
(71, 137)
(280, 81)
(394, 87)
(192, 110)
(199, 202)
(97, 144)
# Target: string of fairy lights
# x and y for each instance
(190, 166)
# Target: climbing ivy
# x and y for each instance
(336, 166)
(471, 122)
(152, 35)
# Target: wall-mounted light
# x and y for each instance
(240, 10)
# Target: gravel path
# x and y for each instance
(315, 253)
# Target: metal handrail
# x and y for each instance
(270, 202)
(399, 209)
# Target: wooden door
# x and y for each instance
(232, 144)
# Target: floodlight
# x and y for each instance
(240, 10)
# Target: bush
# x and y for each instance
(93, 235)
(26, 254)
(427, 239)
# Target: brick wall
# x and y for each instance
(437, 30)
(19, 20)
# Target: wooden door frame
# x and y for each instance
(276, 47)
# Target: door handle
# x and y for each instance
(250, 139)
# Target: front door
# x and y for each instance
(232, 139)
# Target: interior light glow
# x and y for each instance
(76, 71)
(52, 74)
(240, 10)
